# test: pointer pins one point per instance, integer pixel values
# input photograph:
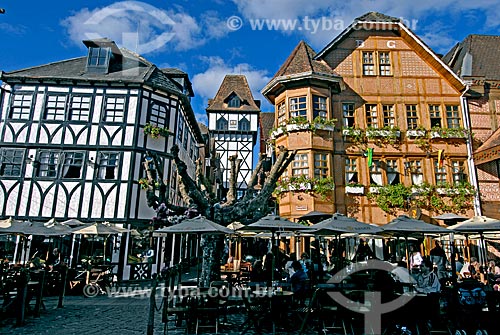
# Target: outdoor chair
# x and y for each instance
(256, 312)
(206, 312)
(176, 304)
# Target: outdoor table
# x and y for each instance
(278, 305)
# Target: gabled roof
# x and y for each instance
(128, 68)
(300, 65)
(301, 60)
(266, 124)
(476, 56)
(385, 22)
(234, 84)
(489, 150)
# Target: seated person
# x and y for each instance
(257, 273)
(299, 281)
(427, 279)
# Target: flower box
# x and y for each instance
(298, 127)
(383, 133)
(324, 127)
(374, 189)
(351, 132)
(355, 189)
(415, 133)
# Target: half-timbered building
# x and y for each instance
(401, 126)
(233, 120)
(74, 135)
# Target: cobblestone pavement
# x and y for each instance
(105, 316)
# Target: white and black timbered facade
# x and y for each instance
(72, 141)
(233, 121)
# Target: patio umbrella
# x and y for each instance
(480, 225)
(405, 226)
(314, 216)
(340, 223)
(8, 222)
(274, 224)
(99, 229)
(198, 225)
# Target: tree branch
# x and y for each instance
(257, 207)
(192, 194)
(233, 179)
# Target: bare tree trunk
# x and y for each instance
(233, 179)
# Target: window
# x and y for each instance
(11, 162)
(191, 148)
(114, 110)
(392, 171)
(108, 165)
(435, 115)
(55, 107)
(222, 124)
(351, 170)
(348, 112)
(48, 161)
(320, 165)
(281, 113)
(98, 59)
(384, 63)
(389, 117)
(417, 175)
(371, 116)
(439, 172)
(452, 116)
(181, 128)
(234, 102)
(73, 162)
(159, 115)
(79, 109)
(368, 63)
(411, 116)
(21, 106)
(300, 165)
(458, 172)
(244, 125)
(376, 173)
(298, 107)
(319, 107)
(186, 138)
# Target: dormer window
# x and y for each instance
(234, 101)
(98, 59)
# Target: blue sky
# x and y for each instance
(208, 39)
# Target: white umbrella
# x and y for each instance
(478, 224)
(198, 225)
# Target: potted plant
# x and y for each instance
(155, 131)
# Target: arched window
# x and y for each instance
(221, 124)
(244, 124)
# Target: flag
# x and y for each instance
(369, 152)
(440, 158)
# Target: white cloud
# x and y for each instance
(143, 28)
(12, 29)
(340, 14)
(207, 83)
